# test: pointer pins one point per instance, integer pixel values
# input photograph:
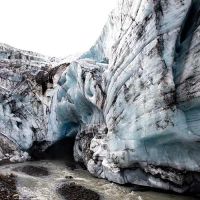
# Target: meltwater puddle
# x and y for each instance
(39, 180)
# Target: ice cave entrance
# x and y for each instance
(60, 150)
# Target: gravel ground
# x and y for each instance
(76, 192)
(8, 190)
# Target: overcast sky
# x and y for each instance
(53, 27)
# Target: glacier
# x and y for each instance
(132, 102)
(25, 96)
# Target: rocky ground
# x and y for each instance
(76, 192)
(68, 190)
(8, 190)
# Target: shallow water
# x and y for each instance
(44, 188)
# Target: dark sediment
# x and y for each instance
(33, 170)
(5, 162)
(8, 190)
(76, 192)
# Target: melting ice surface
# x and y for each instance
(44, 188)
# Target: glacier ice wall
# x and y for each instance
(26, 84)
(21, 110)
(132, 100)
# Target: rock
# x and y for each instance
(24, 156)
(8, 149)
(69, 177)
(16, 196)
